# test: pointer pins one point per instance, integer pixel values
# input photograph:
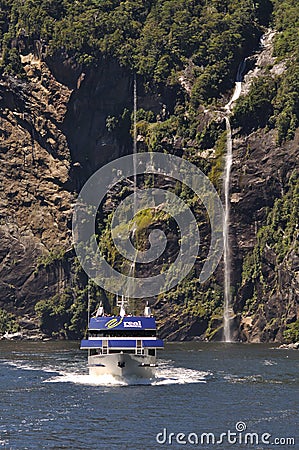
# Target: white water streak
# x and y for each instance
(227, 315)
(226, 256)
(236, 95)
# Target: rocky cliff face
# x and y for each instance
(261, 174)
(35, 199)
(265, 302)
(54, 134)
(53, 137)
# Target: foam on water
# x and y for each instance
(23, 365)
(77, 378)
(251, 379)
(168, 374)
(165, 374)
(269, 362)
(76, 371)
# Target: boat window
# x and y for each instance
(152, 352)
(95, 333)
(93, 351)
(122, 351)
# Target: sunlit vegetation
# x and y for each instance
(8, 322)
(155, 38)
(274, 100)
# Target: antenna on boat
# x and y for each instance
(122, 312)
(100, 311)
(147, 310)
(88, 303)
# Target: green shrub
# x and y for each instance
(54, 313)
(291, 334)
(8, 323)
(255, 109)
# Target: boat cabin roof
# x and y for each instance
(122, 323)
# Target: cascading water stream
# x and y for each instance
(226, 255)
(228, 312)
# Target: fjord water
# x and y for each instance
(49, 401)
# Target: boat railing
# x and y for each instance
(105, 346)
(139, 347)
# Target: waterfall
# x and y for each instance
(235, 96)
(228, 312)
(226, 255)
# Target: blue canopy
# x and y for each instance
(157, 343)
(121, 343)
(89, 343)
(122, 323)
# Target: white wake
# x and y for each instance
(165, 374)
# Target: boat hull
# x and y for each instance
(122, 365)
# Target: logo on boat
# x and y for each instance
(113, 323)
(133, 324)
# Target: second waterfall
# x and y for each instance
(226, 255)
(228, 311)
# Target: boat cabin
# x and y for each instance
(122, 334)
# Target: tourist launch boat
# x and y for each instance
(123, 345)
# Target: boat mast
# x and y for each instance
(88, 303)
(122, 312)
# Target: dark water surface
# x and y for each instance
(47, 400)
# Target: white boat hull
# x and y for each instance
(122, 365)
